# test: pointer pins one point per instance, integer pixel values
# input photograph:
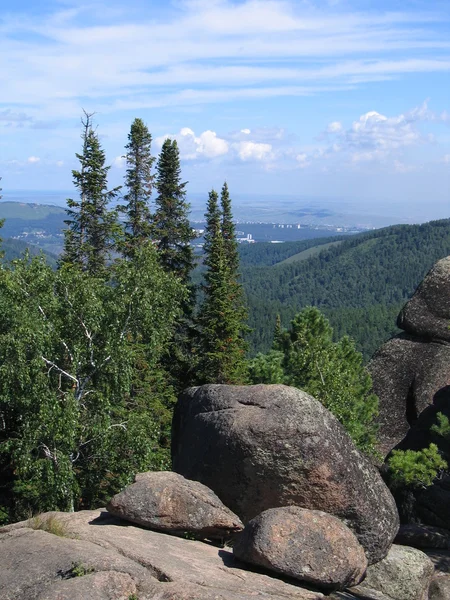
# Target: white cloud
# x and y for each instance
(246, 131)
(210, 145)
(59, 163)
(375, 136)
(446, 159)
(334, 127)
(303, 160)
(206, 145)
(253, 151)
(400, 167)
(33, 159)
(205, 52)
(119, 162)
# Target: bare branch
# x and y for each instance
(55, 366)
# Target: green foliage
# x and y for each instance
(50, 524)
(267, 368)
(306, 357)
(360, 283)
(415, 468)
(172, 228)
(80, 570)
(92, 227)
(443, 426)
(82, 395)
(139, 183)
(222, 312)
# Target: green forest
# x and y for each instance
(96, 344)
(359, 282)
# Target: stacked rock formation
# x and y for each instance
(411, 368)
(267, 446)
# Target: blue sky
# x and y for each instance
(310, 98)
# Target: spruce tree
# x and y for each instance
(229, 231)
(139, 183)
(172, 228)
(222, 347)
(92, 227)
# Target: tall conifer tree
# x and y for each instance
(139, 183)
(172, 228)
(221, 316)
(92, 227)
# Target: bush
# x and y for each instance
(415, 469)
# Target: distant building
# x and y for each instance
(246, 240)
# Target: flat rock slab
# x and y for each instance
(166, 501)
(33, 561)
(405, 574)
(308, 545)
(265, 446)
(154, 560)
(105, 585)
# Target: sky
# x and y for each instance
(315, 98)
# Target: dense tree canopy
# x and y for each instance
(360, 282)
(78, 419)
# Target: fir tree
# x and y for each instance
(222, 347)
(139, 183)
(172, 228)
(229, 231)
(92, 227)
(305, 356)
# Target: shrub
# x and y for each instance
(415, 468)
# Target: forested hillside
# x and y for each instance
(14, 249)
(360, 283)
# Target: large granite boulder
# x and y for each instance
(427, 314)
(309, 545)
(266, 446)
(102, 557)
(405, 574)
(406, 372)
(166, 501)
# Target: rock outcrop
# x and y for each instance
(428, 505)
(422, 536)
(405, 574)
(111, 557)
(266, 446)
(308, 545)
(166, 501)
(411, 368)
(427, 314)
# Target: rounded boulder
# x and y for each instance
(308, 545)
(166, 501)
